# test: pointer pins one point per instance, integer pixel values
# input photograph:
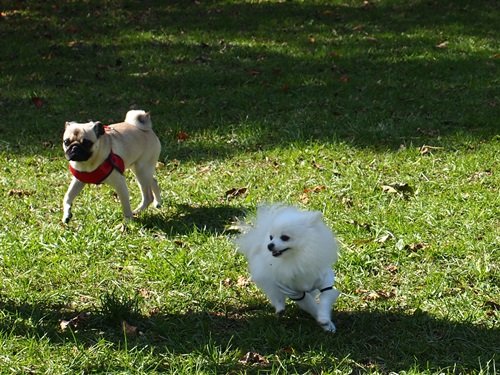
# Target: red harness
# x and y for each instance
(98, 175)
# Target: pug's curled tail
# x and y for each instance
(139, 118)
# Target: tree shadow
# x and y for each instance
(384, 341)
(271, 73)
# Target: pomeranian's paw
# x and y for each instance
(328, 326)
(66, 217)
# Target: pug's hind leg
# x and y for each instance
(146, 182)
(117, 180)
(157, 194)
(75, 187)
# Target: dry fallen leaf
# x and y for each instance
(386, 294)
(182, 136)
(242, 281)
(37, 101)
(389, 189)
(252, 358)
(442, 44)
(398, 188)
(129, 329)
(360, 291)
(480, 175)
(375, 295)
(288, 350)
(492, 305)
(63, 324)
(347, 202)
(235, 192)
(304, 198)
(180, 243)
(429, 132)
(344, 78)
(317, 165)
(72, 29)
(392, 268)
(76, 43)
(384, 238)
(315, 189)
(235, 226)
(372, 296)
(416, 246)
(426, 149)
(145, 293)
(74, 322)
(356, 223)
(19, 193)
(400, 244)
(204, 169)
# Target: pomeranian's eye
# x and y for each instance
(271, 238)
(284, 238)
(67, 142)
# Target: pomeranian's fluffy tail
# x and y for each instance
(139, 118)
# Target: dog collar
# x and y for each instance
(98, 175)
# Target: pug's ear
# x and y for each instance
(98, 129)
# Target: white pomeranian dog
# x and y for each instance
(290, 254)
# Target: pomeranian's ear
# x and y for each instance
(314, 216)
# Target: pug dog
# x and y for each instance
(101, 154)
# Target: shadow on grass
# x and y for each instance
(273, 73)
(183, 219)
(370, 340)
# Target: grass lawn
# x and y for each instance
(382, 114)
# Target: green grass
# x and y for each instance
(318, 104)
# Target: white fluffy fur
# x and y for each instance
(310, 250)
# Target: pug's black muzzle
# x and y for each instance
(77, 152)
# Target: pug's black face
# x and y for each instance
(79, 140)
(78, 151)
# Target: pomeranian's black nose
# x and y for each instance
(270, 246)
